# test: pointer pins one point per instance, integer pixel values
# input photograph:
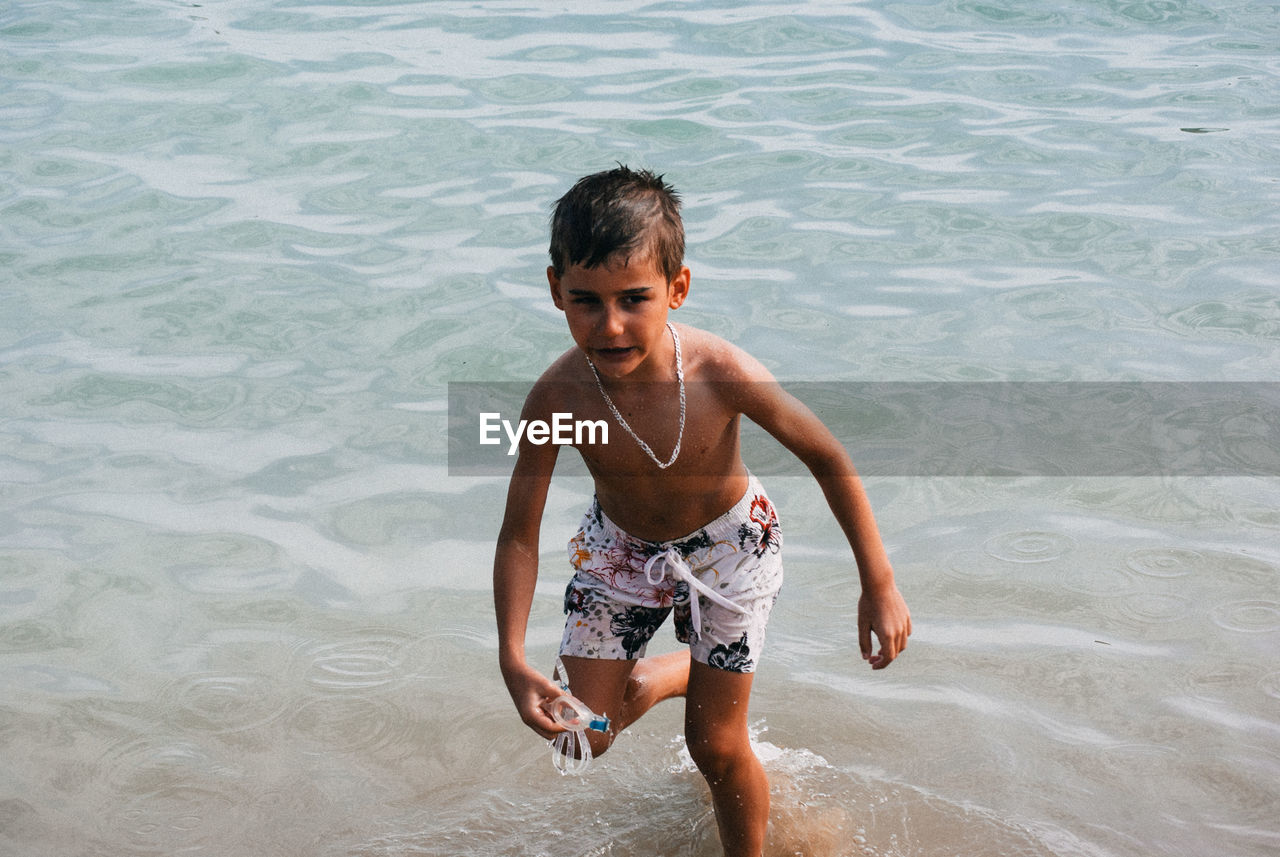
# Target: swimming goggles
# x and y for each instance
(570, 750)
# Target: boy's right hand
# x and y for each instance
(532, 692)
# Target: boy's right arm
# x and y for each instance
(515, 575)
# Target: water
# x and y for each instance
(246, 244)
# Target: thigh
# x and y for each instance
(599, 683)
(716, 708)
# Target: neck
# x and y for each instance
(675, 343)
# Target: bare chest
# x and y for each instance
(641, 428)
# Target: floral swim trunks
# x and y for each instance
(721, 582)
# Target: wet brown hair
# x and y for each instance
(618, 214)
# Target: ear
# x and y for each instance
(556, 297)
(678, 289)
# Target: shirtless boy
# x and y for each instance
(677, 519)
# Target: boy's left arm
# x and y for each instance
(881, 607)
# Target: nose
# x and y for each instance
(611, 322)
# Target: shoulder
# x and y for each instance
(560, 386)
(734, 377)
(569, 366)
(712, 359)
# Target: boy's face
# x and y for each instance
(617, 313)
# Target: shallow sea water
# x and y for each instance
(245, 245)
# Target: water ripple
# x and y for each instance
(1154, 609)
(1248, 616)
(353, 724)
(30, 636)
(1164, 562)
(144, 765)
(1029, 546)
(222, 703)
(361, 661)
(1096, 577)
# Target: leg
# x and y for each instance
(716, 732)
(625, 690)
(653, 680)
(601, 684)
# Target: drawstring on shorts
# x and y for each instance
(675, 566)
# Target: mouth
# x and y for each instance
(614, 354)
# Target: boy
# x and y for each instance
(677, 519)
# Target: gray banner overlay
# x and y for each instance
(957, 429)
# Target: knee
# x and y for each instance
(629, 693)
(718, 752)
(600, 741)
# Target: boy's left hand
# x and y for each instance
(884, 613)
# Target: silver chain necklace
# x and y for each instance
(622, 421)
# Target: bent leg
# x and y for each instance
(625, 690)
(653, 680)
(720, 744)
(601, 684)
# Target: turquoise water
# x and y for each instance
(246, 244)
